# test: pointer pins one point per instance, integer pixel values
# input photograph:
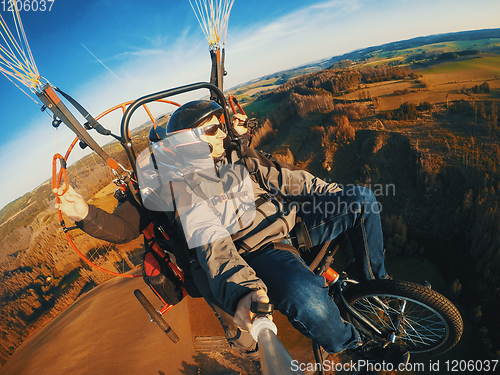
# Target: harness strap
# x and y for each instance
(92, 122)
(303, 238)
(195, 186)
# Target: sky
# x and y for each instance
(104, 52)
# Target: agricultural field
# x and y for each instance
(247, 93)
(447, 81)
(260, 108)
(442, 70)
(424, 51)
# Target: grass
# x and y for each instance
(241, 90)
(249, 93)
(267, 82)
(488, 65)
(379, 57)
(383, 61)
(260, 108)
(459, 45)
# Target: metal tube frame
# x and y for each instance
(125, 134)
(54, 103)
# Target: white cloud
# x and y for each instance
(300, 37)
(26, 162)
(318, 31)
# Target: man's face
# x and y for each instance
(216, 139)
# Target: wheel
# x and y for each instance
(156, 316)
(422, 320)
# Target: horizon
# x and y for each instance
(260, 42)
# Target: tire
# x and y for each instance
(431, 324)
(156, 316)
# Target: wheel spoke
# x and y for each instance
(418, 327)
(408, 314)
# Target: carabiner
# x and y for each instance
(57, 177)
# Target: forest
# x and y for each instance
(442, 156)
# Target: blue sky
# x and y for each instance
(158, 44)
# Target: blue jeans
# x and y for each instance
(303, 296)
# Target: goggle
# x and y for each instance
(211, 129)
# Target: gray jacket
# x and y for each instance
(220, 249)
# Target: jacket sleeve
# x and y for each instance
(123, 225)
(287, 180)
(229, 276)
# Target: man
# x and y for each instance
(235, 223)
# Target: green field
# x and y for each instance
(267, 82)
(429, 50)
(260, 108)
(460, 45)
(489, 64)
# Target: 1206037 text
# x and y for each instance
(26, 5)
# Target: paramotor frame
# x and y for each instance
(98, 254)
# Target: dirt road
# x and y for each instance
(107, 332)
